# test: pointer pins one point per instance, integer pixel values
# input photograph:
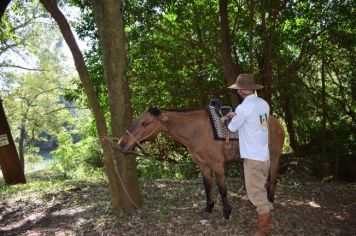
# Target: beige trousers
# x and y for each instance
(256, 174)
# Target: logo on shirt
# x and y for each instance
(264, 120)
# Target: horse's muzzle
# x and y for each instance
(123, 147)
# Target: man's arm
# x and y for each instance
(237, 120)
(227, 117)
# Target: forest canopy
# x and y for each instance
(76, 74)
(179, 54)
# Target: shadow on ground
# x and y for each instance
(173, 207)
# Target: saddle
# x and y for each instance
(221, 132)
(219, 108)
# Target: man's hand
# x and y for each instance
(228, 116)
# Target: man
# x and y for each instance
(251, 120)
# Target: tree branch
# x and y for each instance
(63, 108)
(21, 67)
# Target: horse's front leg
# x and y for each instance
(207, 180)
(220, 179)
(209, 201)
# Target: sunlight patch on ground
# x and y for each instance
(71, 211)
(342, 216)
(314, 204)
(301, 203)
(161, 185)
(34, 217)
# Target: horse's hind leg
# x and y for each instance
(272, 177)
(276, 140)
(207, 176)
(220, 179)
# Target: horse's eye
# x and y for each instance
(145, 124)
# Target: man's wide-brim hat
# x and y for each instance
(245, 81)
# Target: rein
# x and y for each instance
(115, 164)
(138, 141)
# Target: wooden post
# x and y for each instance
(9, 159)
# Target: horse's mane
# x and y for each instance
(157, 111)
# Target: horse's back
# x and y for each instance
(203, 139)
(276, 135)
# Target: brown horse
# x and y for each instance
(193, 129)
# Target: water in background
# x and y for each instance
(41, 165)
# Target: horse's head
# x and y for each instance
(146, 127)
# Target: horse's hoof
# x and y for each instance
(205, 214)
(226, 217)
(227, 212)
(208, 209)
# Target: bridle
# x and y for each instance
(138, 141)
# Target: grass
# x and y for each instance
(45, 182)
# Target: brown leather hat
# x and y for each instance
(245, 81)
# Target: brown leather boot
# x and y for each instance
(264, 225)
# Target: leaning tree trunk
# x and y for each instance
(113, 179)
(9, 160)
(110, 22)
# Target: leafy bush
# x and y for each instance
(166, 158)
(76, 160)
(32, 158)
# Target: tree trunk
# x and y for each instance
(324, 165)
(231, 70)
(202, 93)
(265, 77)
(251, 6)
(22, 146)
(337, 159)
(291, 132)
(9, 161)
(93, 100)
(110, 22)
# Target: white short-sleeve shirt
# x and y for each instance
(251, 120)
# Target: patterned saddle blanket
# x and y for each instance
(219, 129)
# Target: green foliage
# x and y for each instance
(33, 156)
(174, 61)
(172, 53)
(17, 27)
(77, 160)
(33, 96)
(166, 158)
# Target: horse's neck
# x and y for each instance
(184, 125)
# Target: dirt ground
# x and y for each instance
(173, 207)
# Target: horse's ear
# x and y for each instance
(154, 111)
